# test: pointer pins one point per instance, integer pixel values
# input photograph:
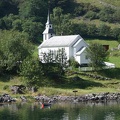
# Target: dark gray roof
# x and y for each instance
(51, 31)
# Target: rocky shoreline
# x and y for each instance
(100, 97)
(83, 98)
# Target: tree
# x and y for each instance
(14, 49)
(97, 54)
(7, 7)
(33, 29)
(61, 57)
(73, 63)
(62, 23)
(116, 16)
(54, 63)
(104, 30)
(115, 32)
(91, 15)
(32, 72)
(106, 14)
(91, 30)
(56, 56)
(53, 71)
(63, 4)
(33, 8)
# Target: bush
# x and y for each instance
(91, 15)
(5, 87)
(73, 63)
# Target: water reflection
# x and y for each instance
(61, 111)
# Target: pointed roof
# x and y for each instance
(81, 50)
(48, 31)
(48, 18)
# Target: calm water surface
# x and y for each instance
(61, 111)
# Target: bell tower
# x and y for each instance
(48, 32)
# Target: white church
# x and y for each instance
(74, 45)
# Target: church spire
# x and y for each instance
(48, 18)
(48, 32)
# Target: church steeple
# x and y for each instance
(48, 32)
(48, 18)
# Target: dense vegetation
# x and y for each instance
(29, 16)
(22, 23)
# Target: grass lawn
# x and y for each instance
(84, 86)
(116, 60)
(114, 55)
(111, 43)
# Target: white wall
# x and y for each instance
(81, 59)
(71, 52)
(80, 45)
(45, 50)
(47, 36)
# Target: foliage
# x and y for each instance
(29, 16)
(53, 71)
(14, 49)
(62, 23)
(34, 72)
(73, 63)
(33, 30)
(116, 16)
(78, 11)
(106, 14)
(31, 70)
(54, 63)
(115, 32)
(7, 7)
(104, 30)
(91, 15)
(63, 4)
(33, 8)
(97, 55)
(92, 30)
(84, 8)
(56, 56)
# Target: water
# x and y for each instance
(61, 111)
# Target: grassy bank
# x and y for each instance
(83, 84)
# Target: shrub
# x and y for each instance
(5, 87)
(91, 15)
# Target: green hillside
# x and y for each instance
(100, 3)
(90, 18)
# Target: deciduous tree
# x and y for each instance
(32, 72)
(97, 55)
(14, 48)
